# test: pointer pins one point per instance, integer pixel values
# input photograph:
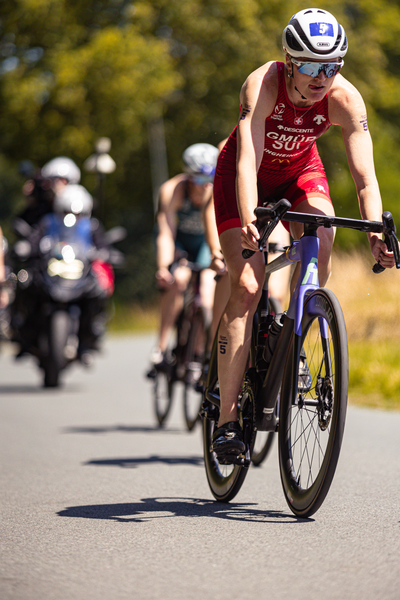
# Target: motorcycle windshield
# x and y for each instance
(63, 236)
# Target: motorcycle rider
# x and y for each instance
(74, 202)
(41, 187)
(72, 208)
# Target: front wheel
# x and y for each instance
(165, 380)
(311, 422)
(163, 390)
(59, 328)
(193, 358)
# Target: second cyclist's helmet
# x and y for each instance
(62, 167)
(201, 159)
(314, 33)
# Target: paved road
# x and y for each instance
(97, 503)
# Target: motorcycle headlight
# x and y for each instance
(67, 270)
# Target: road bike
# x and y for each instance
(307, 368)
(184, 356)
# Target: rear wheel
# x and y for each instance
(59, 328)
(311, 422)
(192, 397)
(225, 481)
(265, 439)
(263, 443)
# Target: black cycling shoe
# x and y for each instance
(227, 443)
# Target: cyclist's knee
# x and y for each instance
(245, 293)
(182, 277)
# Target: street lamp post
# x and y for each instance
(102, 164)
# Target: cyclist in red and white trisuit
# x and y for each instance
(271, 154)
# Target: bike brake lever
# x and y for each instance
(268, 229)
(391, 242)
(272, 215)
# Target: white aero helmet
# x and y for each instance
(201, 159)
(73, 198)
(62, 167)
(314, 33)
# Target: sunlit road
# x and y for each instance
(97, 503)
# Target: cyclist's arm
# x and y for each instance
(348, 110)
(211, 232)
(170, 196)
(257, 98)
(212, 239)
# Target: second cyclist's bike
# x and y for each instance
(183, 358)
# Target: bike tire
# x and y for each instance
(311, 425)
(164, 383)
(225, 481)
(163, 392)
(265, 439)
(59, 328)
(192, 397)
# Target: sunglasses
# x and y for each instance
(201, 179)
(313, 69)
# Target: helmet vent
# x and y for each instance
(292, 42)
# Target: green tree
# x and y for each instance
(73, 71)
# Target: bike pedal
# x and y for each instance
(230, 459)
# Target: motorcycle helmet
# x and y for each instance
(75, 199)
(62, 167)
(201, 159)
(314, 33)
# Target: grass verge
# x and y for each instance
(133, 320)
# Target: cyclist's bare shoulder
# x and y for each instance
(172, 193)
(260, 89)
(346, 104)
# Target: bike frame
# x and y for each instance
(306, 252)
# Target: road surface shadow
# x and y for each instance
(21, 389)
(148, 509)
(132, 463)
(38, 389)
(94, 430)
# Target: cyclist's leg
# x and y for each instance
(234, 335)
(171, 304)
(221, 297)
(207, 282)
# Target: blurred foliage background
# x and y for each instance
(73, 71)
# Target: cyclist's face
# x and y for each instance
(198, 188)
(312, 88)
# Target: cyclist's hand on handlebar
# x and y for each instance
(218, 265)
(164, 278)
(381, 254)
(250, 236)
